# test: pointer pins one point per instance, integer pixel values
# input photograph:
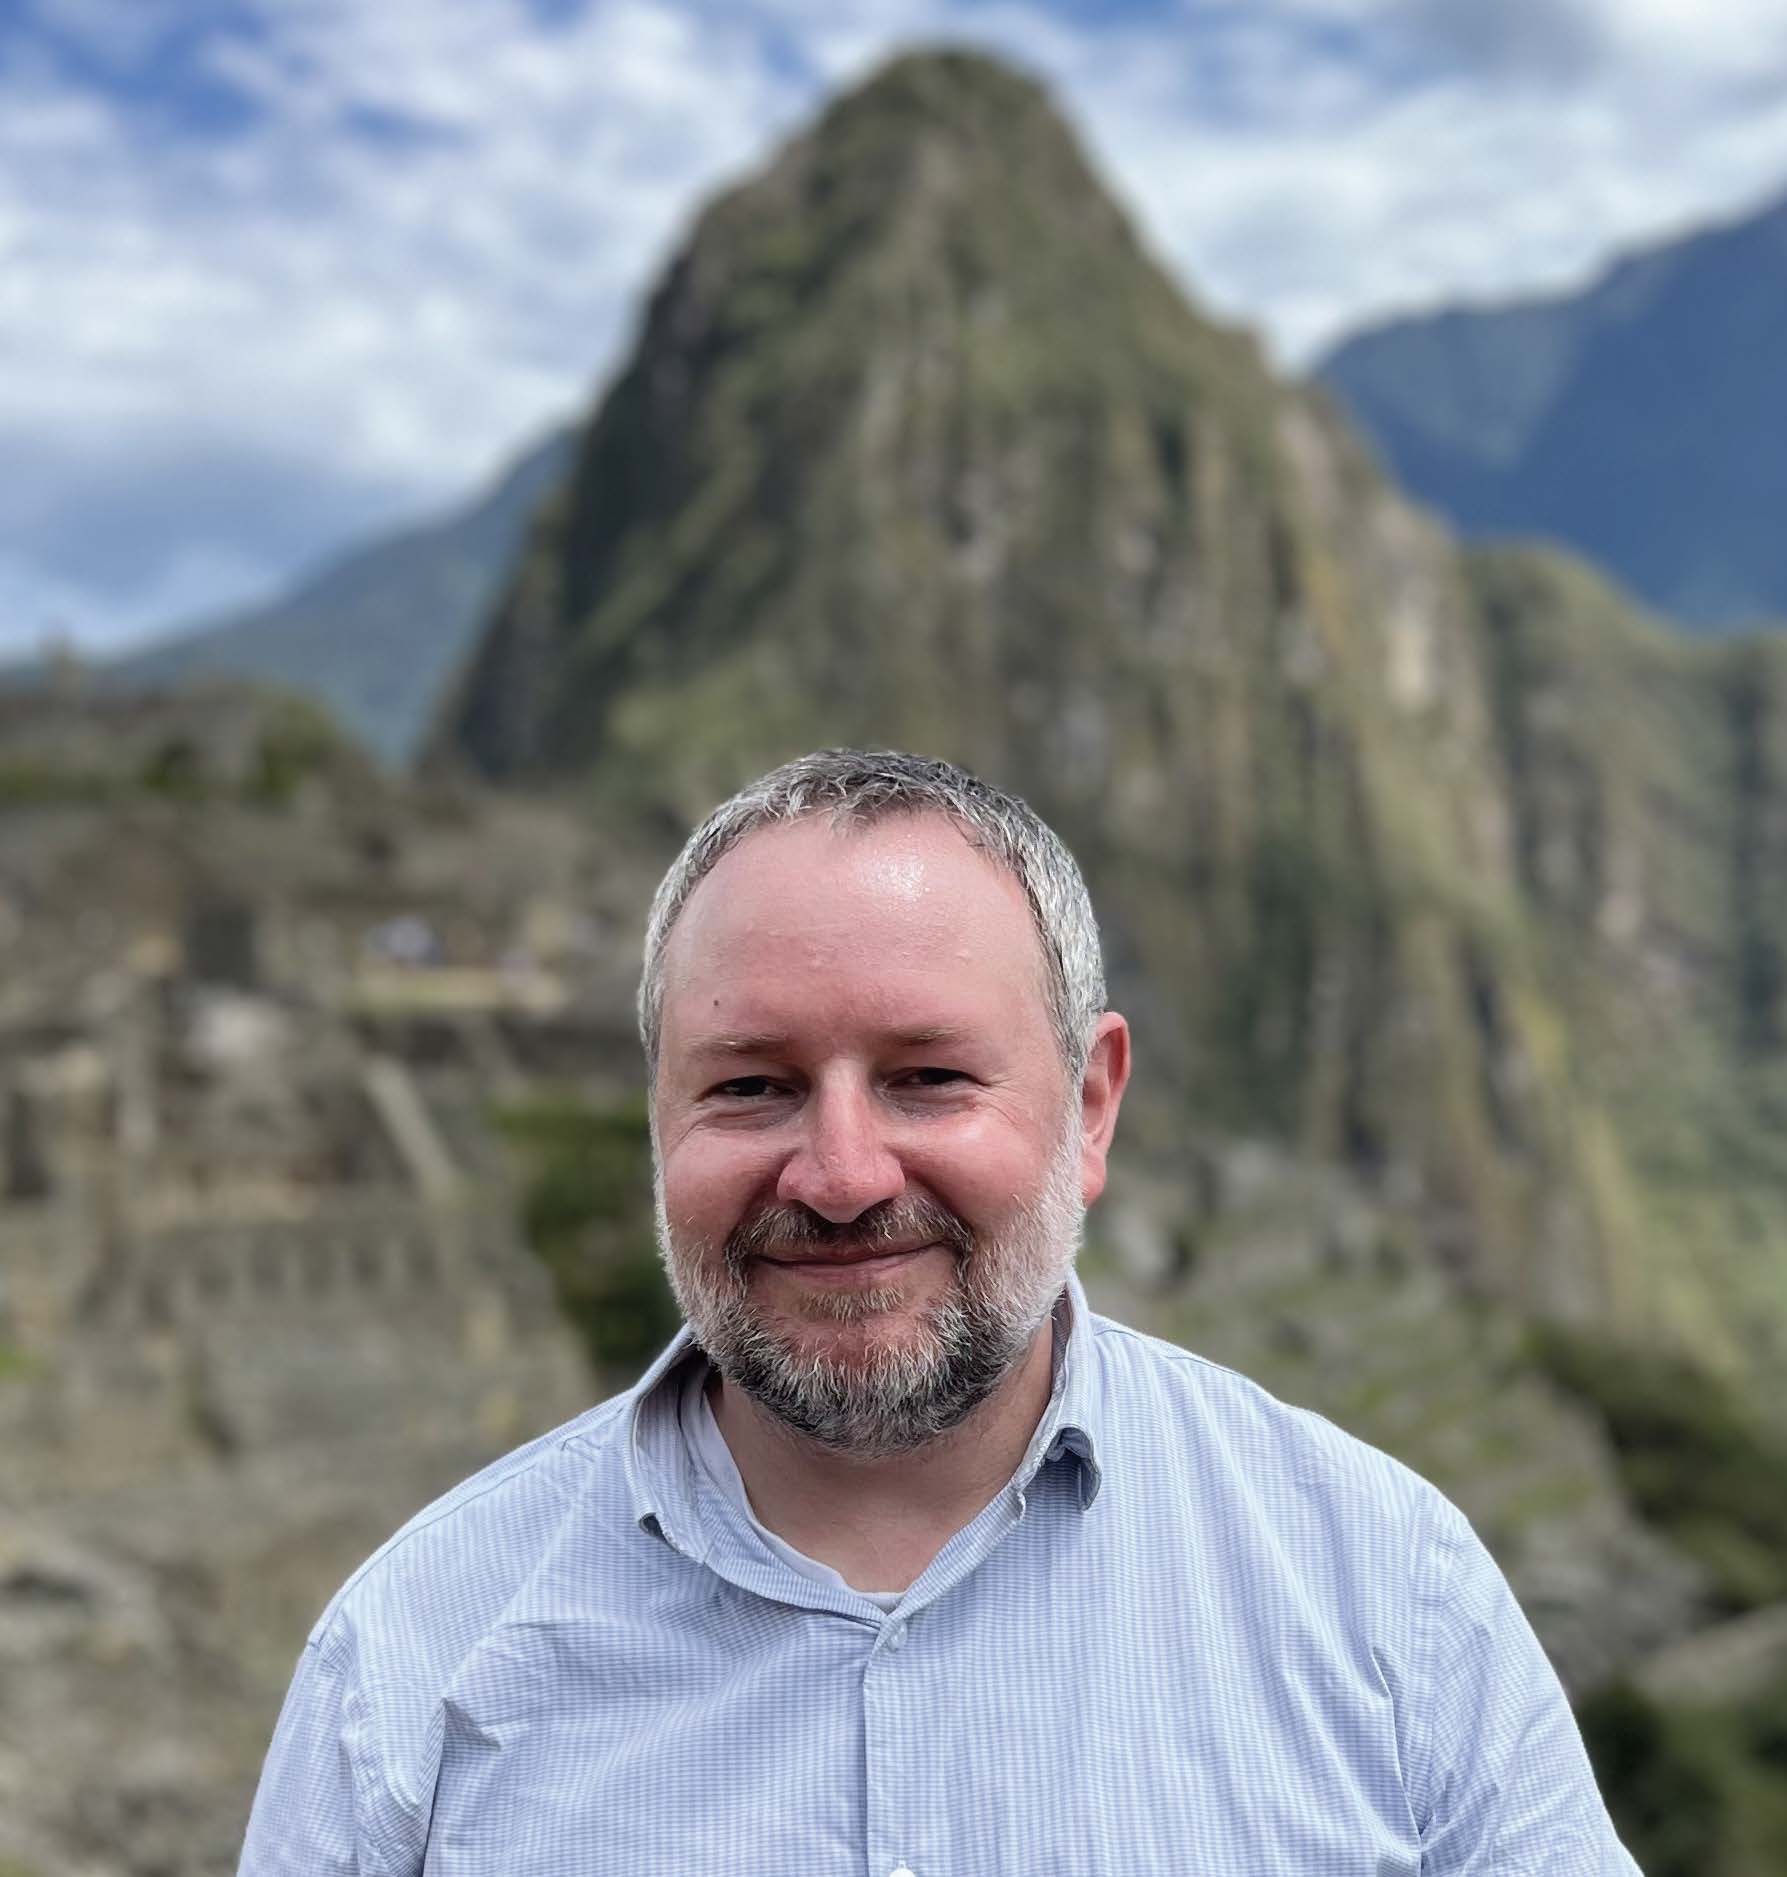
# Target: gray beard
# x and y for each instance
(900, 1401)
(895, 1398)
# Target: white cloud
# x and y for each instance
(429, 239)
(1330, 190)
(405, 306)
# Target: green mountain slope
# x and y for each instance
(1648, 783)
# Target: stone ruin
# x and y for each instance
(262, 1291)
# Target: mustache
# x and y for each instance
(894, 1224)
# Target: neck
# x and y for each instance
(880, 1522)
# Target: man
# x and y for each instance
(899, 1562)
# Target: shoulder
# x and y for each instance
(1195, 1431)
(352, 1767)
(439, 1583)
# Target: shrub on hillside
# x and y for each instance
(1696, 1462)
(586, 1212)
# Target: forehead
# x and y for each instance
(906, 904)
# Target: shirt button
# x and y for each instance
(896, 1639)
(902, 1871)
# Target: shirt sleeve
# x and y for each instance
(1505, 1789)
(306, 1818)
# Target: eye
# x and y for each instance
(933, 1078)
(745, 1088)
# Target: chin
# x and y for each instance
(848, 1307)
(852, 1329)
(856, 1330)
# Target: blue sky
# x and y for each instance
(275, 274)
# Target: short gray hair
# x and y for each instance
(858, 788)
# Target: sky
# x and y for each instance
(277, 275)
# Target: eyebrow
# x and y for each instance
(766, 1044)
(775, 1043)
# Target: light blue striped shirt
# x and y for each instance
(1200, 1633)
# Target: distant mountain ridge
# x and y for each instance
(376, 633)
(1642, 421)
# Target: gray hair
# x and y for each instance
(857, 789)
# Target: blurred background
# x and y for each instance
(1328, 456)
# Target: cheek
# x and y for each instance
(709, 1184)
(982, 1171)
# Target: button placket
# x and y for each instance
(888, 1724)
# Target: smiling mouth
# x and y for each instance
(847, 1266)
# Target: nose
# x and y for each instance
(843, 1163)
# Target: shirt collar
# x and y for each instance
(659, 1482)
(659, 1468)
(1070, 1421)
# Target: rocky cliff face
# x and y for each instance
(1647, 789)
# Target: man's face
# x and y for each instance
(872, 1168)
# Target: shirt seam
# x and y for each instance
(332, 1661)
(329, 1623)
(1423, 1488)
(1430, 1591)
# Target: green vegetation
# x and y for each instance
(1661, 1786)
(224, 744)
(587, 1214)
(176, 767)
(1697, 1462)
(43, 784)
(1695, 1791)
(298, 742)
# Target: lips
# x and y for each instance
(812, 1249)
(860, 1254)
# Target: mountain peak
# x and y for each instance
(944, 175)
(947, 99)
(873, 371)
(945, 82)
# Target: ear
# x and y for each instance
(1101, 1094)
